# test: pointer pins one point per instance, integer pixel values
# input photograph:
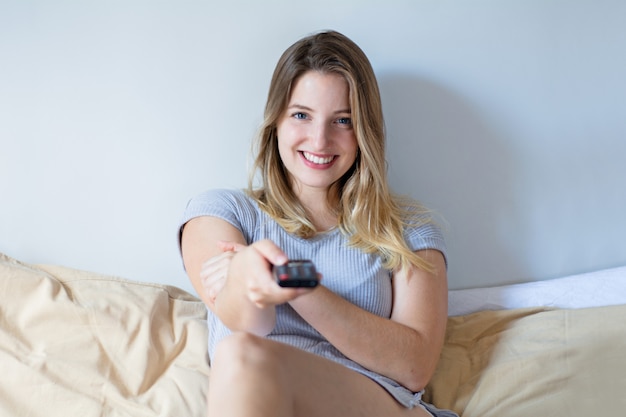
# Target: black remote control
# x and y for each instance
(297, 273)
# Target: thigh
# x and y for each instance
(320, 387)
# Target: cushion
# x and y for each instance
(528, 362)
(78, 343)
(75, 343)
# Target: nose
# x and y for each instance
(320, 136)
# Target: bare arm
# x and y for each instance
(200, 239)
(405, 348)
(247, 294)
(200, 245)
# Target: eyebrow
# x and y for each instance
(303, 107)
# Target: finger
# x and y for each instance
(215, 289)
(230, 246)
(270, 293)
(270, 251)
(217, 259)
(276, 297)
(216, 263)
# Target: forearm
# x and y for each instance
(381, 345)
(233, 307)
(248, 298)
(208, 245)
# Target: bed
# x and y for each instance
(80, 343)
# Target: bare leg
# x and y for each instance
(256, 377)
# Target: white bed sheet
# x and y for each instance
(594, 289)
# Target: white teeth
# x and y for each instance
(316, 159)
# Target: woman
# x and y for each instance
(365, 342)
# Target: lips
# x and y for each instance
(317, 160)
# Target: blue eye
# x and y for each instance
(344, 121)
(299, 115)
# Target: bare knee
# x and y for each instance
(244, 352)
(252, 365)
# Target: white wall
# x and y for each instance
(508, 118)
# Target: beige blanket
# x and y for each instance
(529, 362)
(74, 343)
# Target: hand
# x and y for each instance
(252, 265)
(214, 270)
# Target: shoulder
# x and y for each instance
(422, 229)
(219, 196)
(233, 205)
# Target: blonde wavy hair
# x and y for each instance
(368, 213)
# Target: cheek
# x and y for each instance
(281, 137)
(290, 138)
(352, 147)
(285, 148)
(286, 134)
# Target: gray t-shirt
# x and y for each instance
(350, 273)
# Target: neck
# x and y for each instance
(319, 210)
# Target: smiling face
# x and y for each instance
(316, 139)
